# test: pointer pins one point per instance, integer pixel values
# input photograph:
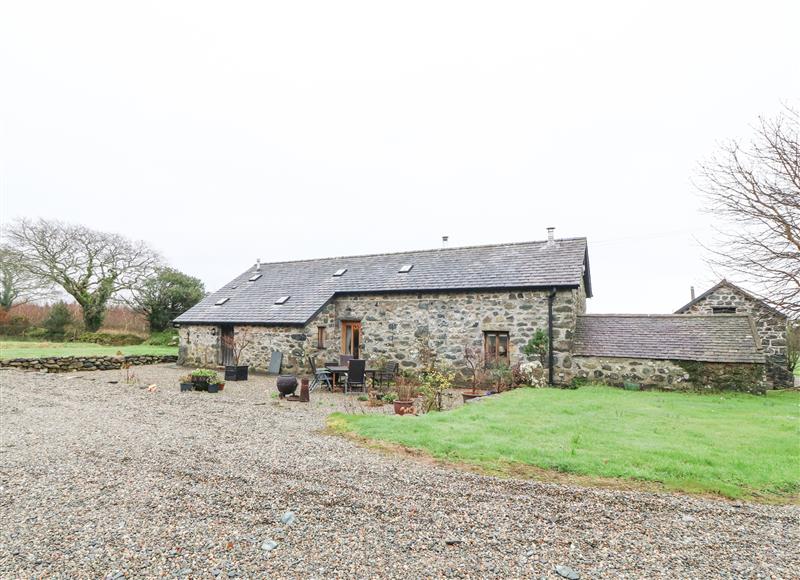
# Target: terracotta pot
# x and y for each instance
(287, 384)
(404, 407)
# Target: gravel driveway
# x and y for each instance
(102, 479)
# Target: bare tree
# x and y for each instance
(17, 285)
(755, 190)
(90, 266)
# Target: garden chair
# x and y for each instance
(320, 376)
(356, 375)
(387, 374)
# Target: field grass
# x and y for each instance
(27, 349)
(738, 446)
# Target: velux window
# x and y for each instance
(496, 347)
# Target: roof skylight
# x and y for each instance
(221, 301)
(405, 268)
(282, 300)
(340, 272)
(254, 277)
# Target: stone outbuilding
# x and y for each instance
(390, 306)
(771, 325)
(670, 352)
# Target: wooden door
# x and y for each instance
(351, 337)
(226, 345)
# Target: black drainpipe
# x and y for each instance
(550, 355)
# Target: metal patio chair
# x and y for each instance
(356, 375)
(320, 376)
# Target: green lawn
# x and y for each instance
(24, 349)
(734, 445)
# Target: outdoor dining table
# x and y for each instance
(337, 370)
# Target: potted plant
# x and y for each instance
(404, 403)
(474, 359)
(237, 343)
(215, 385)
(186, 383)
(201, 378)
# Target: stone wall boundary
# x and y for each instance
(63, 364)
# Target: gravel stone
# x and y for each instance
(97, 478)
(567, 572)
(288, 518)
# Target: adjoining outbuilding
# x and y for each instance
(668, 351)
(771, 325)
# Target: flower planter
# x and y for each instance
(213, 388)
(287, 384)
(404, 407)
(200, 384)
(186, 387)
(470, 396)
(236, 373)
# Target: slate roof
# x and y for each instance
(683, 309)
(311, 284)
(709, 338)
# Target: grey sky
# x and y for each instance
(222, 132)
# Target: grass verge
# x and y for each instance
(732, 445)
(26, 349)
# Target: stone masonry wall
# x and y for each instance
(770, 326)
(61, 364)
(671, 375)
(393, 324)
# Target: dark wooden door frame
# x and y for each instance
(225, 350)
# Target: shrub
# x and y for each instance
(432, 386)
(537, 345)
(58, 320)
(13, 325)
(530, 373)
(390, 397)
(165, 338)
(36, 332)
(109, 339)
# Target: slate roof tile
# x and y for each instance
(311, 283)
(708, 338)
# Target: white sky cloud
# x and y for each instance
(223, 132)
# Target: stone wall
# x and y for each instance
(770, 326)
(671, 375)
(62, 364)
(394, 324)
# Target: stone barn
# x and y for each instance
(770, 324)
(387, 306)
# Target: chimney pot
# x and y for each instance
(550, 235)
(691, 289)
(444, 241)
(258, 264)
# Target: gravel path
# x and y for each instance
(110, 480)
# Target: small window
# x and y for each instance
(339, 272)
(405, 268)
(724, 310)
(221, 301)
(496, 347)
(254, 277)
(282, 300)
(320, 337)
